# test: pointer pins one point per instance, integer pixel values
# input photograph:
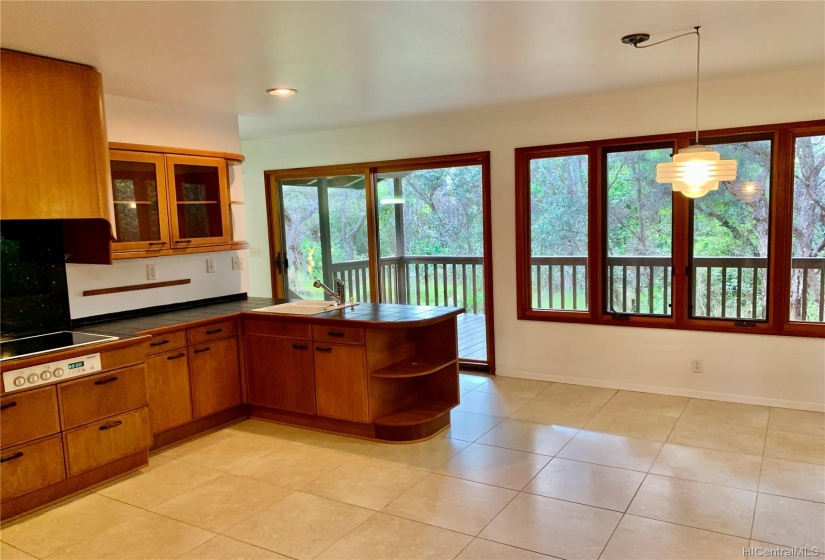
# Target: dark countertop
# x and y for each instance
(363, 314)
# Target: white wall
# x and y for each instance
(781, 371)
(142, 122)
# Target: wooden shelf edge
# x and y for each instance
(149, 253)
(417, 413)
(229, 156)
(412, 367)
(238, 245)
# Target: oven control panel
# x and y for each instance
(26, 378)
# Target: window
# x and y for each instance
(558, 232)
(731, 233)
(748, 257)
(807, 290)
(639, 233)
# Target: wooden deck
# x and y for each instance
(472, 337)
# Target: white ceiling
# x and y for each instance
(360, 62)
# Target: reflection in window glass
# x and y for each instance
(730, 238)
(639, 234)
(808, 263)
(558, 232)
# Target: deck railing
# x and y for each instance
(728, 287)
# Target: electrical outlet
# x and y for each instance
(151, 272)
(210, 265)
(696, 366)
(237, 263)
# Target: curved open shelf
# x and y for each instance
(414, 366)
(418, 412)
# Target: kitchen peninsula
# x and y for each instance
(379, 371)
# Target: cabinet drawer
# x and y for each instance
(212, 332)
(344, 335)
(27, 416)
(286, 329)
(102, 395)
(165, 342)
(31, 466)
(106, 440)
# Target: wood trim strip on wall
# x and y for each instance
(134, 287)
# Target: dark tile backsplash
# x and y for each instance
(35, 297)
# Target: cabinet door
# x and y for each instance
(52, 141)
(280, 373)
(31, 466)
(141, 208)
(340, 382)
(104, 441)
(167, 385)
(215, 375)
(198, 200)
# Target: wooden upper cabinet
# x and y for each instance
(53, 142)
(141, 208)
(198, 200)
(169, 203)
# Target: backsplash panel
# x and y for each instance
(34, 296)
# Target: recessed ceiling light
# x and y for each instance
(282, 91)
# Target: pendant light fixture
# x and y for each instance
(697, 169)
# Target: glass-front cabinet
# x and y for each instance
(139, 189)
(167, 203)
(198, 204)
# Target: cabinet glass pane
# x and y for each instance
(135, 192)
(197, 192)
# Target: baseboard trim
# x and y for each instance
(745, 399)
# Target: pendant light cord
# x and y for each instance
(698, 50)
(695, 31)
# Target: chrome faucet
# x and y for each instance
(337, 295)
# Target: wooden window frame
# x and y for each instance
(777, 322)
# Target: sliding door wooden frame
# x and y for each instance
(370, 170)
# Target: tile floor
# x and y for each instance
(527, 470)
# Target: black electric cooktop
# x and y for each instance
(40, 344)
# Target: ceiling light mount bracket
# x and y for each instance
(636, 39)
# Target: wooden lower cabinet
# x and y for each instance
(31, 466)
(99, 396)
(104, 441)
(215, 375)
(168, 390)
(340, 381)
(29, 415)
(281, 373)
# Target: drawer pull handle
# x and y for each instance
(157, 243)
(105, 381)
(215, 331)
(8, 405)
(159, 342)
(176, 356)
(300, 346)
(12, 457)
(336, 333)
(114, 424)
(199, 350)
(183, 241)
(323, 349)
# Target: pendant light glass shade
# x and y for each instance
(696, 170)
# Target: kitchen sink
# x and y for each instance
(303, 307)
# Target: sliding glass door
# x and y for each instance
(403, 232)
(324, 236)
